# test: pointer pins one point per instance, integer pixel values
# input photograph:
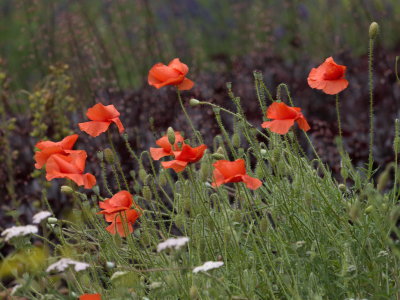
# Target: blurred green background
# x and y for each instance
(112, 43)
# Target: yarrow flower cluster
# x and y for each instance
(15, 231)
(64, 263)
(40, 216)
(175, 243)
(209, 265)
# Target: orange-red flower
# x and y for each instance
(174, 74)
(283, 118)
(101, 117)
(233, 171)
(122, 200)
(184, 157)
(48, 148)
(129, 217)
(166, 148)
(70, 166)
(328, 77)
(90, 297)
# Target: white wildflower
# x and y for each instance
(175, 243)
(40, 216)
(18, 231)
(64, 263)
(383, 253)
(15, 289)
(209, 265)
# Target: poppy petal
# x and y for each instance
(280, 111)
(90, 297)
(303, 124)
(251, 182)
(176, 165)
(158, 153)
(100, 112)
(177, 65)
(94, 128)
(334, 87)
(118, 122)
(278, 126)
(185, 85)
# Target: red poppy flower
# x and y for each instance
(70, 166)
(102, 116)
(48, 148)
(90, 297)
(284, 117)
(122, 200)
(233, 171)
(117, 226)
(174, 74)
(166, 148)
(182, 158)
(328, 77)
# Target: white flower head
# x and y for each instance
(175, 243)
(18, 231)
(209, 265)
(40, 216)
(15, 289)
(64, 263)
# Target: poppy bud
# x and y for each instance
(396, 142)
(194, 102)
(194, 292)
(147, 193)
(110, 265)
(109, 156)
(66, 190)
(142, 175)
(100, 155)
(373, 30)
(369, 209)
(236, 140)
(217, 156)
(383, 180)
(342, 187)
(52, 220)
(171, 135)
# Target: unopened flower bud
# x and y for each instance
(110, 265)
(217, 156)
(194, 292)
(194, 102)
(171, 135)
(66, 190)
(52, 220)
(142, 175)
(373, 30)
(109, 155)
(342, 187)
(100, 155)
(147, 193)
(369, 209)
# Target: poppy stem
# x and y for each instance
(117, 163)
(339, 124)
(198, 136)
(371, 107)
